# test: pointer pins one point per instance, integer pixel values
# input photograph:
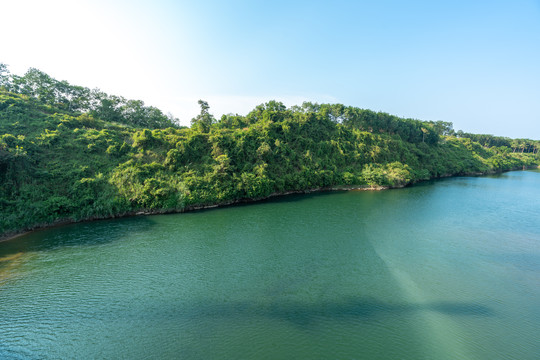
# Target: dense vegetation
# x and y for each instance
(68, 153)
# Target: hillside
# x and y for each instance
(61, 162)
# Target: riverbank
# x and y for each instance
(62, 222)
(13, 235)
(64, 166)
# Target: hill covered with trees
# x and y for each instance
(68, 153)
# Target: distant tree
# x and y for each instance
(424, 132)
(310, 107)
(271, 111)
(5, 76)
(204, 120)
(37, 84)
(443, 127)
(108, 108)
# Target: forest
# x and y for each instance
(68, 153)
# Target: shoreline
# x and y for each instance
(61, 222)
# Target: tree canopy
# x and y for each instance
(77, 100)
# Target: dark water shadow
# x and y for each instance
(277, 199)
(79, 234)
(307, 315)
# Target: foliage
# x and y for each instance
(77, 99)
(66, 158)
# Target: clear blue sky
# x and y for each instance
(474, 63)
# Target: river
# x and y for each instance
(448, 269)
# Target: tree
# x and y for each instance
(37, 84)
(442, 127)
(204, 120)
(108, 108)
(5, 77)
(424, 132)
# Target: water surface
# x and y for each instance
(444, 270)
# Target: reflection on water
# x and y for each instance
(434, 271)
(7, 266)
(80, 234)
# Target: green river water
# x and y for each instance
(448, 269)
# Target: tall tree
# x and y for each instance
(204, 120)
(5, 76)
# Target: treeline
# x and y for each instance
(60, 164)
(514, 145)
(77, 99)
(409, 130)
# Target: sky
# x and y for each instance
(474, 63)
